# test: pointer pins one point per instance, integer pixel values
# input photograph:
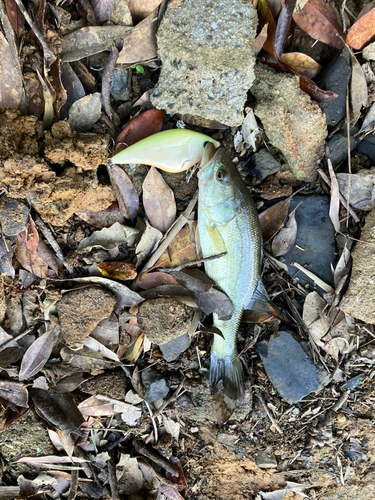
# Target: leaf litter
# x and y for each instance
(57, 369)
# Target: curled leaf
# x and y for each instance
(273, 218)
(286, 237)
(117, 270)
(124, 190)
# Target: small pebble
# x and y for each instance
(194, 430)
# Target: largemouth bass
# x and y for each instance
(228, 222)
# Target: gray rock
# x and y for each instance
(354, 382)
(289, 368)
(315, 245)
(263, 164)
(13, 216)
(208, 58)
(265, 461)
(155, 385)
(172, 349)
(85, 112)
(367, 147)
(336, 78)
(120, 88)
(337, 148)
(292, 121)
(227, 439)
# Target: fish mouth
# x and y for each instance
(206, 172)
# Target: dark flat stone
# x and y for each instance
(367, 147)
(316, 236)
(14, 216)
(337, 148)
(354, 382)
(263, 164)
(155, 385)
(289, 368)
(172, 349)
(336, 78)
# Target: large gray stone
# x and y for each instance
(207, 52)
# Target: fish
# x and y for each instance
(228, 223)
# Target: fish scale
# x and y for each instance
(228, 221)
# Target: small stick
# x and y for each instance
(170, 235)
(47, 233)
(314, 277)
(107, 77)
(190, 264)
(348, 144)
(73, 485)
(49, 55)
(342, 198)
(157, 459)
(112, 480)
(153, 422)
(274, 423)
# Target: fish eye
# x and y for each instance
(222, 175)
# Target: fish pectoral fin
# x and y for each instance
(217, 245)
(261, 306)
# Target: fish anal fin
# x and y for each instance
(260, 307)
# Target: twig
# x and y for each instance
(47, 233)
(49, 55)
(171, 399)
(274, 423)
(348, 145)
(73, 485)
(153, 422)
(107, 77)
(342, 198)
(190, 264)
(323, 285)
(112, 480)
(162, 462)
(170, 235)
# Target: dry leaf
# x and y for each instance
(358, 89)
(284, 23)
(37, 355)
(148, 123)
(181, 249)
(368, 124)
(260, 39)
(362, 32)
(302, 63)
(361, 194)
(11, 85)
(343, 267)
(104, 218)
(117, 270)
(273, 218)
(140, 9)
(334, 207)
(154, 279)
(141, 44)
(158, 201)
(147, 244)
(96, 346)
(265, 17)
(135, 349)
(284, 240)
(14, 392)
(321, 21)
(108, 238)
(91, 40)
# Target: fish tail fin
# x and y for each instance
(226, 375)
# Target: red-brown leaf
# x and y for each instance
(265, 16)
(105, 218)
(158, 201)
(148, 123)
(362, 32)
(152, 280)
(321, 21)
(273, 218)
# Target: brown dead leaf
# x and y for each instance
(334, 207)
(15, 16)
(362, 32)
(37, 355)
(85, 359)
(105, 218)
(14, 392)
(180, 251)
(321, 21)
(148, 242)
(117, 270)
(260, 39)
(358, 189)
(152, 280)
(140, 9)
(91, 40)
(265, 17)
(302, 63)
(11, 86)
(284, 240)
(148, 123)
(96, 346)
(108, 238)
(58, 409)
(158, 201)
(273, 218)
(141, 44)
(135, 349)
(343, 267)
(124, 190)
(358, 88)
